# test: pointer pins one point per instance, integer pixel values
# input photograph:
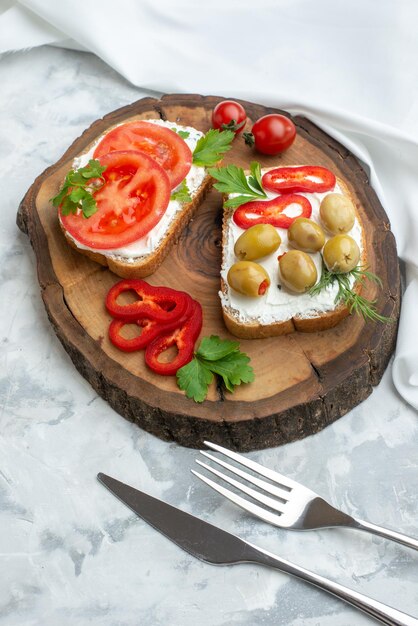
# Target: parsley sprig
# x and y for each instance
(184, 134)
(232, 180)
(211, 147)
(182, 194)
(214, 356)
(346, 294)
(76, 191)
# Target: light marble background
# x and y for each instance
(71, 553)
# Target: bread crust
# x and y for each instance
(149, 263)
(311, 324)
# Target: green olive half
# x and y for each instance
(248, 278)
(337, 213)
(306, 235)
(298, 271)
(341, 254)
(256, 242)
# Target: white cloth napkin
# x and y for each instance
(350, 67)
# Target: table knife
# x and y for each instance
(214, 545)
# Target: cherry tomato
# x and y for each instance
(132, 200)
(271, 134)
(159, 142)
(229, 115)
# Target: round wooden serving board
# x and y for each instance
(303, 381)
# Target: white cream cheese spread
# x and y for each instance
(148, 244)
(279, 304)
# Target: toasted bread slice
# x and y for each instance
(139, 260)
(257, 326)
(147, 264)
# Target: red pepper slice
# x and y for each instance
(155, 303)
(150, 330)
(309, 178)
(184, 338)
(271, 211)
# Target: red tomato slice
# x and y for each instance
(271, 211)
(159, 142)
(309, 178)
(130, 203)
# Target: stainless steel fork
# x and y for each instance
(288, 503)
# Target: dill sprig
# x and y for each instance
(346, 294)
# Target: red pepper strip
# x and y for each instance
(150, 330)
(271, 211)
(183, 337)
(155, 303)
(309, 178)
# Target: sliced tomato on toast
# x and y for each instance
(158, 142)
(132, 200)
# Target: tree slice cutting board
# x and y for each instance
(303, 381)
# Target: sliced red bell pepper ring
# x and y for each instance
(155, 303)
(308, 178)
(184, 338)
(150, 330)
(271, 211)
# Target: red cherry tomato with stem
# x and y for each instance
(271, 134)
(229, 115)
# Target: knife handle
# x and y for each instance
(378, 610)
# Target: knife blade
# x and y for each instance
(214, 545)
(199, 538)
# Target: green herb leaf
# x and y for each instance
(88, 206)
(77, 191)
(194, 378)
(233, 368)
(355, 302)
(254, 180)
(182, 194)
(213, 348)
(77, 194)
(93, 170)
(211, 147)
(232, 180)
(183, 133)
(214, 356)
(68, 206)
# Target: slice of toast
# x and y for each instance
(147, 264)
(124, 261)
(258, 322)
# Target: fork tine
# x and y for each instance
(258, 511)
(271, 489)
(259, 497)
(285, 482)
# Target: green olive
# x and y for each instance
(256, 242)
(341, 254)
(337, 213)
(298, 271)
(248, 278)
(306, 235)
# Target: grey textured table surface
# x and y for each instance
(70, 553)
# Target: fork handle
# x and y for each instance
(410, 542)
(381, 612)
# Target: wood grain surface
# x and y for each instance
(303, 381)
